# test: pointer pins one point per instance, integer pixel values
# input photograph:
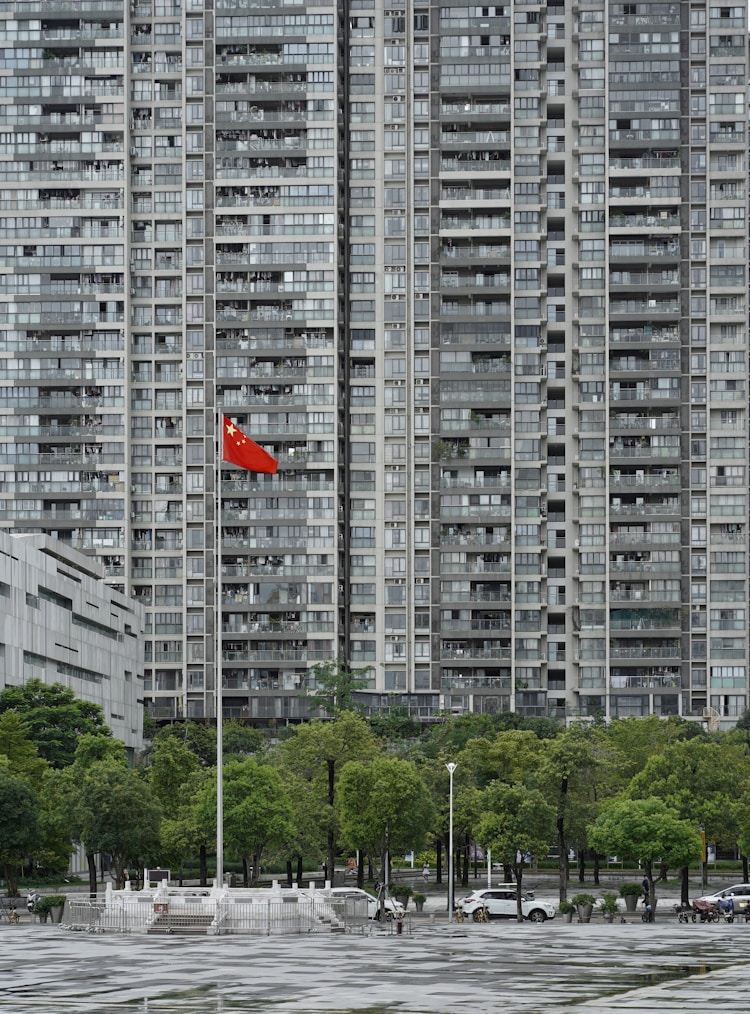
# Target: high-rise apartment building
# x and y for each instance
(476, 275)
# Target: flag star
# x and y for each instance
(231, 430)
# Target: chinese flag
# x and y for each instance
(244, 452)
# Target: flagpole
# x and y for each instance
(218, 665)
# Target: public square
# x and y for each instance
(438, 967)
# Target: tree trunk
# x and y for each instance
(438, 862)
(91, 862)
(245, 873)
(255, 871)
(465, 864)
(597, 868)
(331, 843)
(562, 847)
(203, 864)
(360, 869)
(745, 869)
(581, 866)
(289, 873)
(11, 877)
(684, 887)
(299, 871)
(663, 871)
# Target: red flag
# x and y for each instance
(241, 450)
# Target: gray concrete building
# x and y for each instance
(476, 276)
(60, 623)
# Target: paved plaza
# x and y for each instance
(440, 968)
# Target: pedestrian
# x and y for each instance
(426, 871)
(646, 890)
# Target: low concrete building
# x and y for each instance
(59, 622)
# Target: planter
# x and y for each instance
(584, 913)
(568, 916)
(609, 917)
(56, 913)
(631, 902)
(419, 905)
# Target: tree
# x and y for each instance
(118, 816)
(23, 758)
(198, 738)
(517, 823)
(172, 766)
(257, 812)
(55, 718)
(241, 740)
(316, 754)
(703, 781)
(336, 685)
(567, 773)
(645, 830)
(19, 828)
(637, 739)
(384, 807)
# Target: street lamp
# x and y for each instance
(451, 768)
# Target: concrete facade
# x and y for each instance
(475, 275)
(60, 623)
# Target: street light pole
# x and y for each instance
(451, 768)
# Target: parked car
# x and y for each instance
(393, 909)
(740, 893)
(500, 903)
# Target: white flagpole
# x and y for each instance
(219, 669)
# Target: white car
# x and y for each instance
(393, 909)
(500, 903)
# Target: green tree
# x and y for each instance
(510, 757)
(384, 807)
(22, 755)
(315, 755)
(517, 822)
(198, 738)
(19, 826)
(63, 790)
(257, 812)
(336, 685)
(118, 816)
(568, 771)
(171, 769)
(703, 781)
(182, 834)
(645, 830)
(55, 718)
(637, 739)
(241, 740)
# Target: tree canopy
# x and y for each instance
(55, 718)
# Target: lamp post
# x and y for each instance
(451, 768)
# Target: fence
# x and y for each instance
(230, 912)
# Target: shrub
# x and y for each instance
(566, 907)
(583, 899)
(608, 903)
(626, 889)
(47, 902)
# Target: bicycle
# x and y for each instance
(482, 914)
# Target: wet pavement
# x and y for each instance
(438, 968)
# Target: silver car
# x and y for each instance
(740, 894)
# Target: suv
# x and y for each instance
(393, 909)
(740, 893)
(500, 903)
